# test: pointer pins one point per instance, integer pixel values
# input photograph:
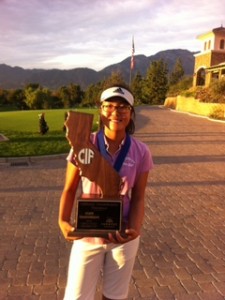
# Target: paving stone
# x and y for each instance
(163, 292)
(191, 286)
(203, 278)
(17, 291)
(45, 289)
(210, 296)
(220, 286)
(208, 288)
(182, 248)
(177, 290)
(167, 281)
(35, 278)
(219, 276)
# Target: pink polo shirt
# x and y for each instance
(138, 160)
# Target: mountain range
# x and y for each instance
(17, 77)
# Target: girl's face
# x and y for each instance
(115, 114)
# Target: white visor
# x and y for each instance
(117, 92)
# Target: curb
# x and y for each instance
(197, 116)
(30, 159)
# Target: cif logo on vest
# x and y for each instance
(85, 156)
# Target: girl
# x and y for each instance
(115, 256)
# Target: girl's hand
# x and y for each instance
(67, 229)
(130, 234)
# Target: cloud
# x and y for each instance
(69, 34)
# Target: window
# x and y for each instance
(221, 44)
(209, 44)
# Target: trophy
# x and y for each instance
(95, 215)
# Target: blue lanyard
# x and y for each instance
(123, 152)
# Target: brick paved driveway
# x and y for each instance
(182, 253)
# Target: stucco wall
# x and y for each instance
(192, 105)
(202, 60)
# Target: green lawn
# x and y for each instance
(22, 130)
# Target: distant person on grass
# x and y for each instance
(115, 255)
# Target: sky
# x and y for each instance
(67, 34)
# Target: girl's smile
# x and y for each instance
(115, 115)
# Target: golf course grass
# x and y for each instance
(21, 128)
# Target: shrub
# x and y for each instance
(218, 87)
(218, 91)
(218, 113)
(215, 93)
(191, 92)
(204, 95)
(182, 85)
(43, 126)
(171, 102)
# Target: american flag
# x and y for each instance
(132, 55)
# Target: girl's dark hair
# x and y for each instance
(130, 129)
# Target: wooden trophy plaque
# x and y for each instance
(95, 215)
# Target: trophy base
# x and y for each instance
(96, 217)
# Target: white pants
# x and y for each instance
(87, 260)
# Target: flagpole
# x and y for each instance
(132, 60)
(130, 78)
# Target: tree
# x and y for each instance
(184, 84)
(37, 97)
(114, 78)
(47, 98)
(136, 87)
(56, 100)
(43, 126)
(3, 97)
(76, 94)
(177, 72)
(32, 99)
(156, 83)
(64, 94)
(92, 95)
(17, 98)
(70, 95)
